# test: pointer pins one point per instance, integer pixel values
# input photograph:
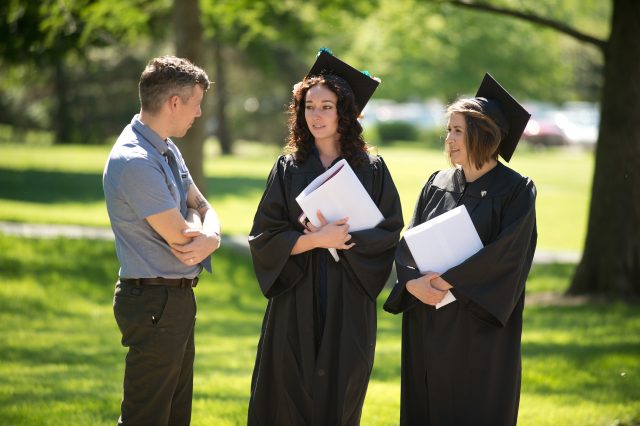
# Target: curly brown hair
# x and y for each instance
(483, 134)
(300, 140)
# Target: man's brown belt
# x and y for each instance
(173, 282)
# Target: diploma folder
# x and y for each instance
(338, 193)
(443, 242)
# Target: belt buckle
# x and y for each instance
(188, 282)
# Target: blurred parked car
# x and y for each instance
(423, 115)
(542, 128)
(580, 121)
(575, 123)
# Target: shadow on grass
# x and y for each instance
(589, 374)
(549, 277)
(65, 354)
(386, 368)
(32, 306)
(222, 327)
(50, 186)
(85, 267)
(240, 397)
(589, 351)
(225, 186)
(552, 270)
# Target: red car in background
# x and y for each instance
(542, 128)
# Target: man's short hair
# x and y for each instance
(168, 76)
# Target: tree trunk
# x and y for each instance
(610, 262)
(62, 121)
(224, 136)
(189, 44)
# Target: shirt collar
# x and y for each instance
(149, 135)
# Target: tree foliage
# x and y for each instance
(429, 49)
(419, 48)
(66, 50)
(72, 66)
(610, 263)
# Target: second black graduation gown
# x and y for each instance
(461, 363)
(316, 348)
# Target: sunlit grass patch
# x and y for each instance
(62, 184)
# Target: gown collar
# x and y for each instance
(479, 187)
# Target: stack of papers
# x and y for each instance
(338, 193)
(443, 242)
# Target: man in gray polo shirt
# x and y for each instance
(148, 190)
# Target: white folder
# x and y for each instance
(338, 193)
(443, 242)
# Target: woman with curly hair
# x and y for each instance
(316, 349)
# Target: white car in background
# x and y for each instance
(580, 121)
(574, 123)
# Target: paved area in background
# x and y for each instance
(234, 242)
(239, 243)
(40, 230)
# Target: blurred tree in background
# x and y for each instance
(440, 51)
(64, 67)
(189, 43)
(260, 49)
(610, 263)
(71, 67)
(253, 44)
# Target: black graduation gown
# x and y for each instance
(312, 368)
(461, 363)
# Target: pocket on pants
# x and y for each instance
(138, 310)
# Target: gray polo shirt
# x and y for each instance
(138, 183)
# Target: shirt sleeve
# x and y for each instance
(144, 187)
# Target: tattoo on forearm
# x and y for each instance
(201, 204)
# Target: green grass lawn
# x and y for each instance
(62, 184)
(62, 363)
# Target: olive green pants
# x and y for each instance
(157, 325)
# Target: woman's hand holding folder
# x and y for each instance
(430, 289)
(330, 235)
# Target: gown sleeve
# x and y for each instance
(494, 278)
(273, 236)
(400, 300)
(371, 259)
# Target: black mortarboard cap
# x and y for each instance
(361, 83)
(508, 114)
